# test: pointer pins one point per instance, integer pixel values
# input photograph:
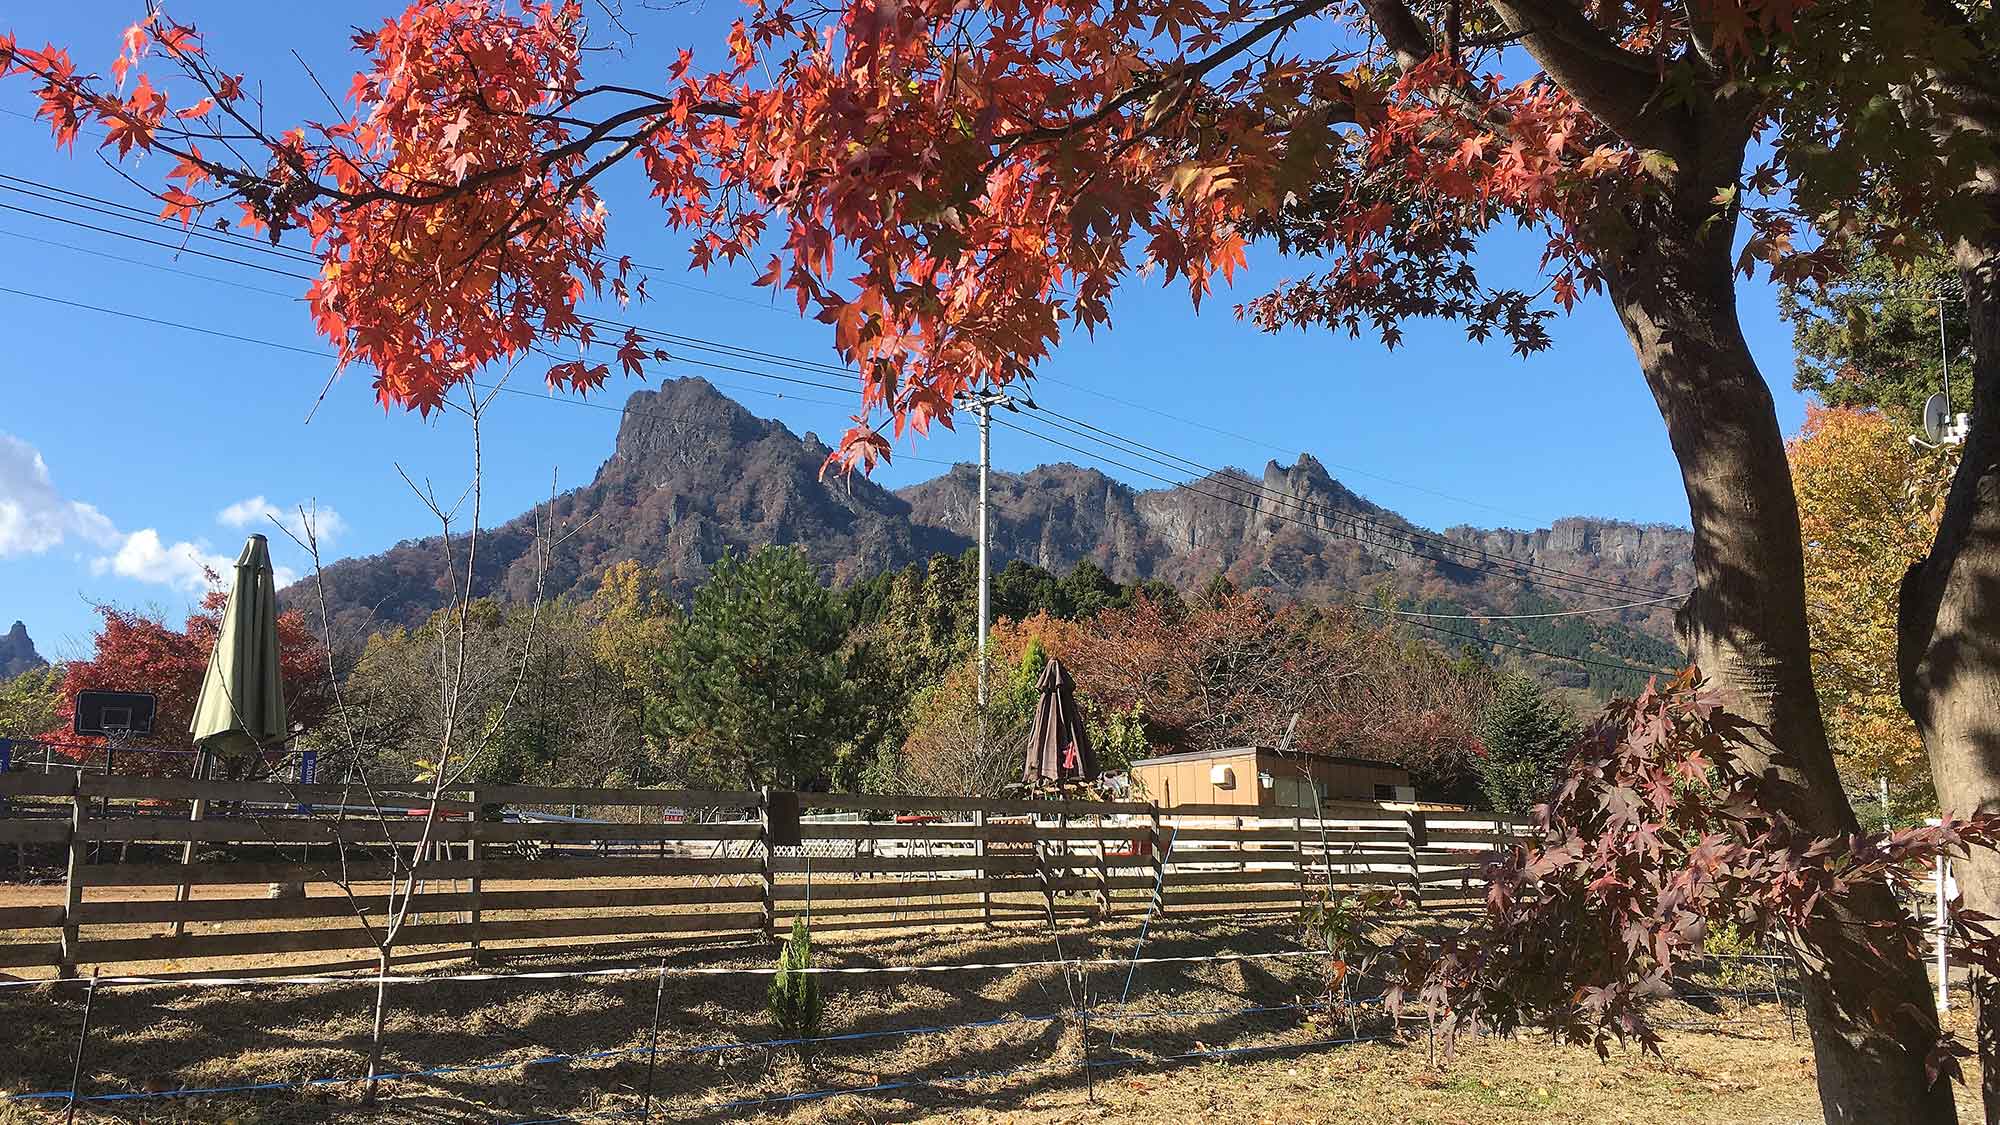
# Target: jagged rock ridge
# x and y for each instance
(694, 473)
(17, 652)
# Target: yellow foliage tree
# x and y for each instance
(1869, 503)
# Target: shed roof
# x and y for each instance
(1295, 752)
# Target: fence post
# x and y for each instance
(475, 852)
(79, 816)
(985, 876)
(1299, 855)
(1159, 865)
(1419, 838)
(770, 872)
(1103, 873)
(197, 812)
(1941, 875)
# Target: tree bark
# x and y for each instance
(1745, 625)
(1948, 633)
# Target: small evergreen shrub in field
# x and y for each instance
(1726, 942)
(795, 1003)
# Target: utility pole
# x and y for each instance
(982, 404)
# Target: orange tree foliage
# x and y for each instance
(136, 652)
(1232, 670)
(945, 185)
(1868, 508)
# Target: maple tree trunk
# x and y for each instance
(1948, 634)
(1745, 625)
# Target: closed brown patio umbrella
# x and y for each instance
(1059, 751)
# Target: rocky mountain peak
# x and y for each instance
(693, 473)
(17, 652)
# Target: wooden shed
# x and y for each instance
(1265, 775)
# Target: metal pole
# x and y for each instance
(1943, 930)
(1944, 360)
(76, 1061)
(653, 1046)
(984, 405)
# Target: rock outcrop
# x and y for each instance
(693, 474)
(17, 652)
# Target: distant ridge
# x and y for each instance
(693, 472)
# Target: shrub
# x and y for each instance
(795, 1003)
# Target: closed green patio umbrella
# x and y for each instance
(242, 703)
(241, 709)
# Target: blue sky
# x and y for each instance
(113, 479)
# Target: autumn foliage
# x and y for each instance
(1869, 505)
(136, 652)
(947, 187)
(1660, 835)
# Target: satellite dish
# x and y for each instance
(1937, 418)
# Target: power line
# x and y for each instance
(1353, 534)
(1358, 605)
(151, 242)
(1141, 449)
(698, 343)
(242, 241)
(1523, 648)
(1533, 616)
(1265, 443)
(322, 354)
(1591, 585)
(142, 264)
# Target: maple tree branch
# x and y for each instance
(1401, 30)
(1189, 74)
(1617, 86)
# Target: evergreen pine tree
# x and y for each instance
(1527, 735)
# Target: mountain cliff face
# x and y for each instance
(1636, 554)
(17, 652)
(694, 473)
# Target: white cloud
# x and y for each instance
(33, 515)
(184, 566)
(256, 513)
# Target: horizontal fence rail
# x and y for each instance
(272, 868)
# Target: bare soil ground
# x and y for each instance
(1026, 1063)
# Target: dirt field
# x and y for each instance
(1024, 1064)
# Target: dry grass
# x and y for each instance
(1747, 1070)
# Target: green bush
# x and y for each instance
(1727, 942)
(796, 1006)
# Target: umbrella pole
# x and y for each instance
(196, 815)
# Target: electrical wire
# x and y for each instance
(1533, 616)
(1591, 585)
(242, 241)
(1359, 605)
(1276, 447)
(516, 391)
(1185, 464)
(1238, 501)
(1618, 665)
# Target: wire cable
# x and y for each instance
(1534, 616)
(1525, 648)
(516, 391)
(1238, 501)
(1139, 448)
(1358, 605)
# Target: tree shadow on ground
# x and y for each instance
(487, 1038)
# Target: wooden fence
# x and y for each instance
(523, 866)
